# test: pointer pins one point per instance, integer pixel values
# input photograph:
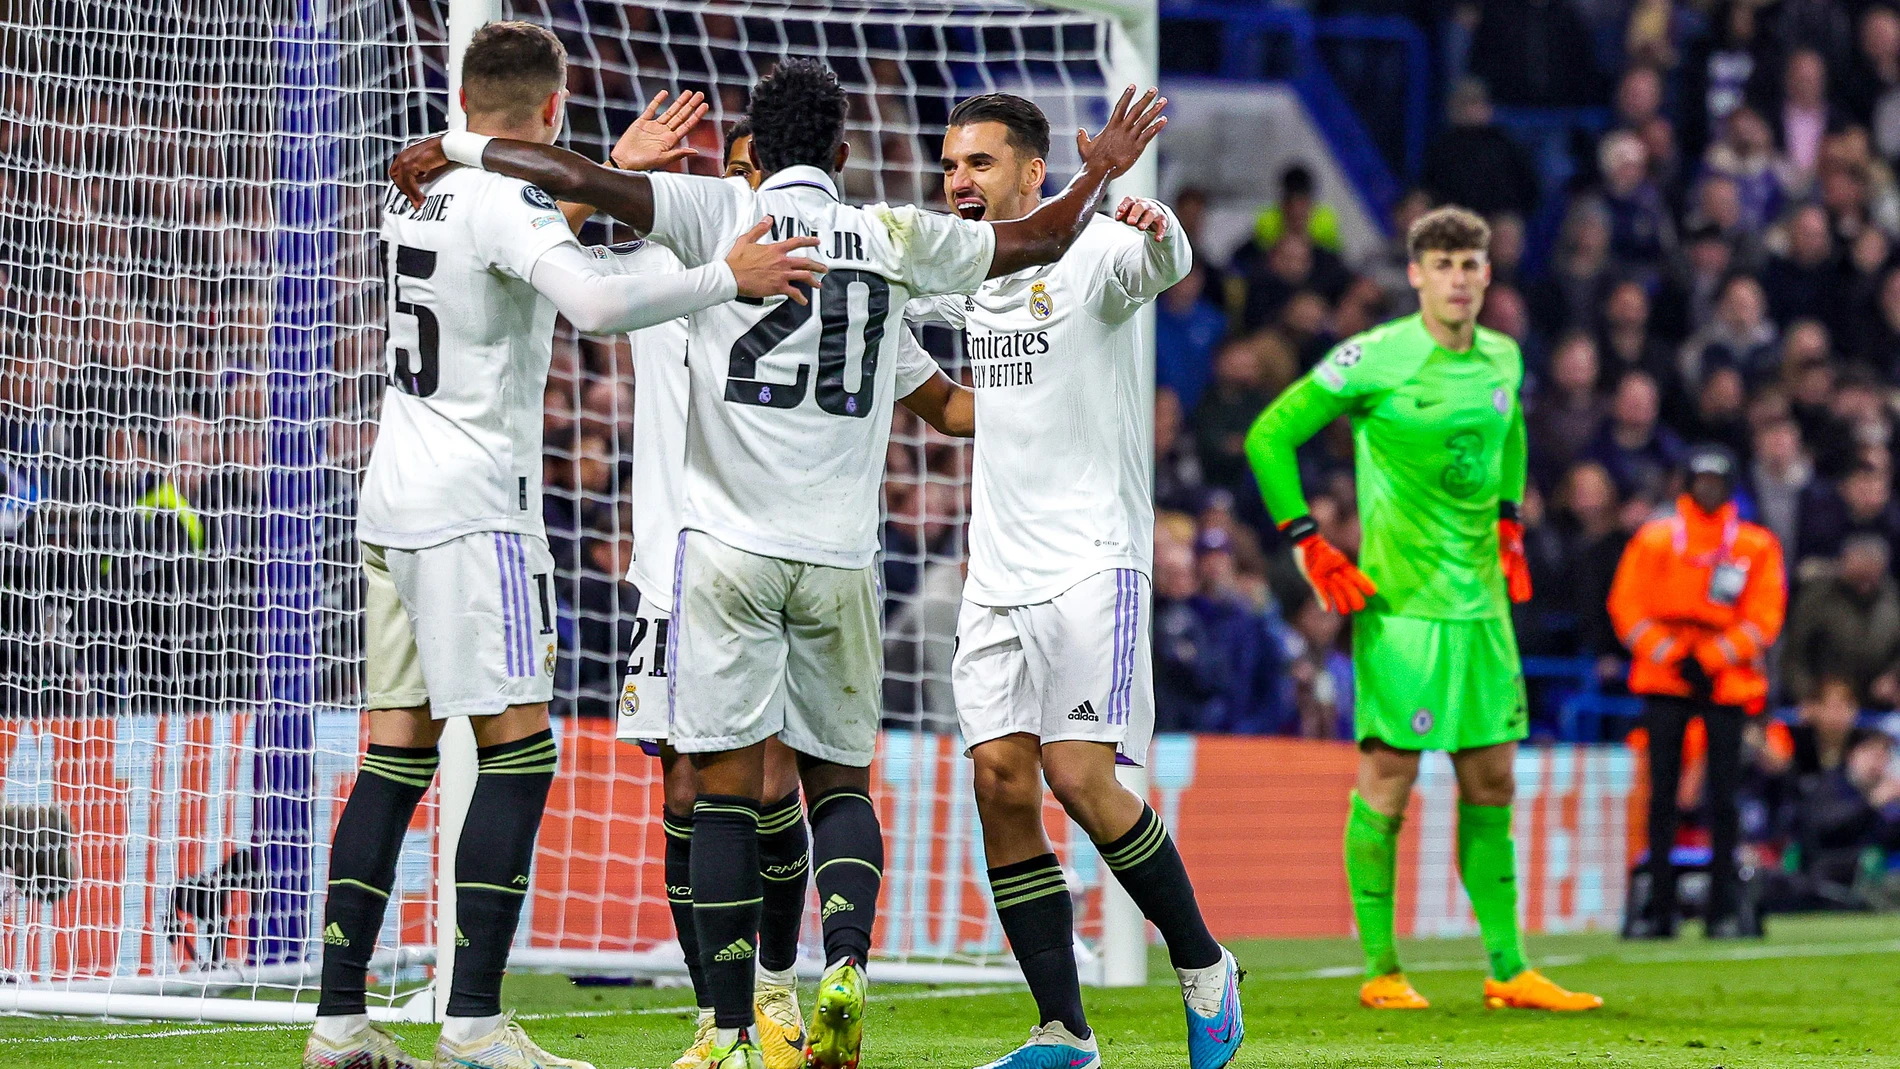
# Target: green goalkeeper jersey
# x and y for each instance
(1438, 441)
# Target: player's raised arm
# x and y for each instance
(564, 175)
(1042, 236)
(1145, 270)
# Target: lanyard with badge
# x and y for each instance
(1729, 575)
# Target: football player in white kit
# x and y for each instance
(774, 580)
(659, 467)
(458, 614)
(1052, 671)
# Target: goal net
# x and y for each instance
(189, 203)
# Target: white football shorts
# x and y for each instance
(1078, 666)
(466, 626)
(764, 646)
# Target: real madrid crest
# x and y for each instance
(1041, 305)
(548, 661)
(630, 700)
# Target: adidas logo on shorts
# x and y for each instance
(738, 950)
(1085, 711)
(835, 904)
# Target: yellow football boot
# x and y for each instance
(1531, 990)
(1391, 992)
(781, 1027)
(699, 1055)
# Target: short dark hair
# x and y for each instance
(511, 67)
(1028, 127)
(1297, 181)
(797, 115)
(1448, 229)
(740, 131)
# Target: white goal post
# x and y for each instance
(192, 293)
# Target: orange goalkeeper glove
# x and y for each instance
(1340, 586)
(1517, 570)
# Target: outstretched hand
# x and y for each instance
(772, 270)
(1127, 134)
(656, 139)
(417, 166)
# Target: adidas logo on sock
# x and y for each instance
(835, 904)
(333, 936)
(460, 939)
(738, 950)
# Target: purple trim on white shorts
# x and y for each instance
(674, 626)
(508, 626)
(1127, 626)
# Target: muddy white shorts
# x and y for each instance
(466, 626)
(764, 646)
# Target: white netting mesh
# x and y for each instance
(194, 328)
(188, 214)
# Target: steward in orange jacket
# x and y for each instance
(1698, 599)
(1701, 585)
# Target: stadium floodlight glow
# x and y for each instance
(201, 295)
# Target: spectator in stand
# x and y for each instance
(1718, 204)
(1779, 477)
(1386, 268)
(1318, 671)
(1687, 301)
(1178, 483)
(1639, 97)
(1845, 813)
(1873, 72)
(1806, 282)
(1248, 699)
(1507, 248)
(1719, 411)
(1538, 53)
(1187, 668)
(1878, 336)
(1641, 234)
(1805, 116)
(1567, 411)
(1626, 343)
(1474, 163)
(1637, 450)
(1746, 156)
(1846, 624)
(1569, 297)
(1190, 209)
(1740, 334)
(1236, 396)
(1823, 724)
(1293, 264)
(1587, 520)
(1722, 67)
(1300, 211)
(1188, 325)
(1860, 503)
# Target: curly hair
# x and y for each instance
(1448, 229)
(797, 114)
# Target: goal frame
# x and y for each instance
(1120, 959)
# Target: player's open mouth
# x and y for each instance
(970, 207)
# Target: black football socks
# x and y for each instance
(1150, 869)
(785, 864)
(491, 866)
(727, 895)
(1032, 900)
(363, 857)
(848, 866)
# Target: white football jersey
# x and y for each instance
(1064, 476)
(790, 406)
(659, 427)
(459, 448)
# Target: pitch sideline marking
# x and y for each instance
(646, 1011)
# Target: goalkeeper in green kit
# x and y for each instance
(1439, 453)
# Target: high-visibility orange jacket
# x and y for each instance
(1702, 585)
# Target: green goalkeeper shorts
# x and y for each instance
(1437, 684)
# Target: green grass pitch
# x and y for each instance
(1820, 991)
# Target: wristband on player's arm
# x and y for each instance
(465, 148)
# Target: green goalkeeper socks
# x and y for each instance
(1487, 860)
(1372, 863)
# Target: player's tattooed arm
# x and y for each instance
(1042, 236)
(945, 405)
(564, 175)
